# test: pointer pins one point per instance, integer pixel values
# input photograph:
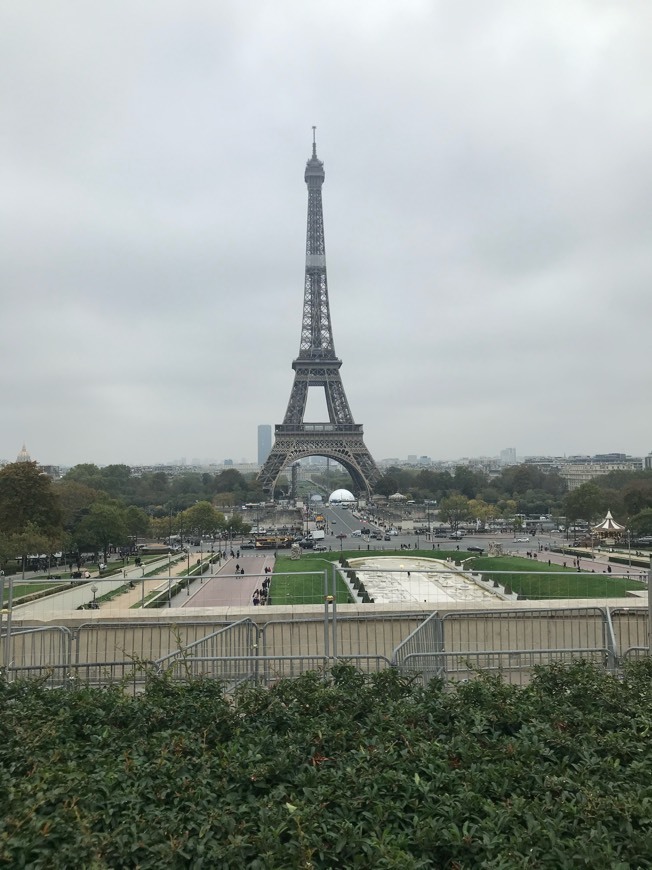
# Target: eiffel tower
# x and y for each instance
(317, 366)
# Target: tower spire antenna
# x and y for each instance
(314, 141)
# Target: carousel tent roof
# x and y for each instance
(608, 524)
(398, 496)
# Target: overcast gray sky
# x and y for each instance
(488, 213)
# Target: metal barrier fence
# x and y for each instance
(514, 666)
(508, 640)
(231, 651)
(451, 645)
(631, 629)
(42, 653)
(136, 640)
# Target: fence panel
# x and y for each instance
(443, 646)
(118, 641)
(228, 654)
(554, 628)
(38, 652)
(425, 638)
(375, 634)
(514, 666)
(630, 628)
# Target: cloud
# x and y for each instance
(486, 210)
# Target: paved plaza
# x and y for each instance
(390, 580)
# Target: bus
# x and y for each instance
(274, 542)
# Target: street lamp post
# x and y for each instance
(94, 591)
(169, 579)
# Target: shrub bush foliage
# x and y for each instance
(336, 770)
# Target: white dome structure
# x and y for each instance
(341, 495)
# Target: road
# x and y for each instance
(342, 521)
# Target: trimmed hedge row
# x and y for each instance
(337, 770)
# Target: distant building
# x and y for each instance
(264, 443)
(647, 462)
(581, 471)
(508, 456)
(23, 456)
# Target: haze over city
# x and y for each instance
(486, 211)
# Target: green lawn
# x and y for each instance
(28, 588)
(296, 585)
(538, 583)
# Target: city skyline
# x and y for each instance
(414, 460)
(487, 225)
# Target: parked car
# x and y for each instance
(521, 540)
(387, 538)
(320, 548)
(475, 549)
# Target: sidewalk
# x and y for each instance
(80, 593)
(134, 596)
(588, 563)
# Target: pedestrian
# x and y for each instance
(242, 570)
(237, 568)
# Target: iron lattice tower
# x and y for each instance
(317, 365)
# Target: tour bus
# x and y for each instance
(274, 542)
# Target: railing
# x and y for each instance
(453, 645)
(321, 428)
(514, 666)
(43, 652)
(508, 640)
(231, 652)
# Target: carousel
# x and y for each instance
(608, 529)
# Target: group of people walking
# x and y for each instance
(261, 596)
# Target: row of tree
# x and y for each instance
(524, 489)
(41, 516)
(92, 508)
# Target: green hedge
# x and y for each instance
(635, 561)
(345, 771)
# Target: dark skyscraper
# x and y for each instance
(264, 443)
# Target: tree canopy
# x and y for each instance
(27, 496)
